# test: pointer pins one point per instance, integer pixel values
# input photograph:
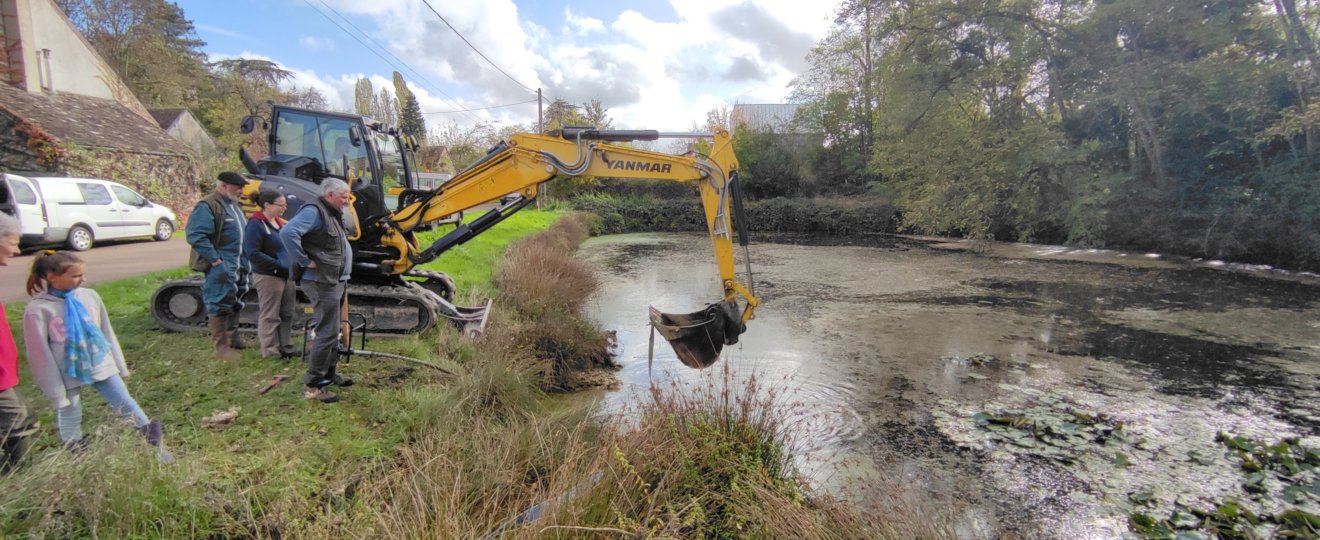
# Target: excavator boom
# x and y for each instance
(525, 161)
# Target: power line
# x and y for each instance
(483, 108)
(474, 48)
(373, 51)
(434, 86)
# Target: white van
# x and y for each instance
(80, 211)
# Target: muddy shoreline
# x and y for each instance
(872, 336)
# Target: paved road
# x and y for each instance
(105, 262)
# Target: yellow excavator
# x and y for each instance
(387, 291)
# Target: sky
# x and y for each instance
(653, 64)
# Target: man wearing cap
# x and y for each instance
(215, 232)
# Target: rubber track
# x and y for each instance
(379, 294)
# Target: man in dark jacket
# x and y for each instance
(316, 242)
(215, 232)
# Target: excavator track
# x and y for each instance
(387, 309)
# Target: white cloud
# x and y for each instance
(581, 24)
(649, 74)
(316, 44)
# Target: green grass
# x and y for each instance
(470, 264)
(283, 459)
(409, 454)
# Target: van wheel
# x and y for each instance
(80, 238)
(164, 230)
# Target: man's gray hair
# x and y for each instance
(8, 225)
(333, 185)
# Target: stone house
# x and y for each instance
(184, 126)
(64, 111)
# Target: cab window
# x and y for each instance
(326, 139)
(127, 196)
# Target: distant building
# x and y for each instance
(182, 125)
(64, 111)
(777, 117)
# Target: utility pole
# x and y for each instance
(540, 121)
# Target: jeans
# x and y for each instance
(223, 290)
(324, 353)
(69, 419)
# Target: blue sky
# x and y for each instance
(653, 64)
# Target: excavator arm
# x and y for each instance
(526, 161)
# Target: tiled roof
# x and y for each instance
(90, 121)
(165, 117)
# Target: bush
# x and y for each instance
(546, 286)
(779, 215)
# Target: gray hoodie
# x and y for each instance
(43, 335)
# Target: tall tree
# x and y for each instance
(383, 107)
(363, 96)
(410, 116)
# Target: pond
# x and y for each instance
(1025, 391)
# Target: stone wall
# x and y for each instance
(22, 145)
(170, 179)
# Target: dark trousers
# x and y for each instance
(324, 351)
(17, 423)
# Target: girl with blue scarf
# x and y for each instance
(70, 344)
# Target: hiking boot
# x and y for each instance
(290, 355)
(153, 433)
(341, 381)
(319, 394)
(235, 338)
(77, 447)
(220, 338)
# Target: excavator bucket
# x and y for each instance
(698, 337)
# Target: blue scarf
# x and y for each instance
(84, 346)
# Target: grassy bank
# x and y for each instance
(280, 461)
(409, 453)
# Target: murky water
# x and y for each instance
(885, 353)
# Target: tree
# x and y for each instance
(363, 96)
(410, 116)
(308, 98)
(383, 108)
(595, 115)
(466, 144)
(560, 114)
(254, 81)
(148, 43)
(1186, 126)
